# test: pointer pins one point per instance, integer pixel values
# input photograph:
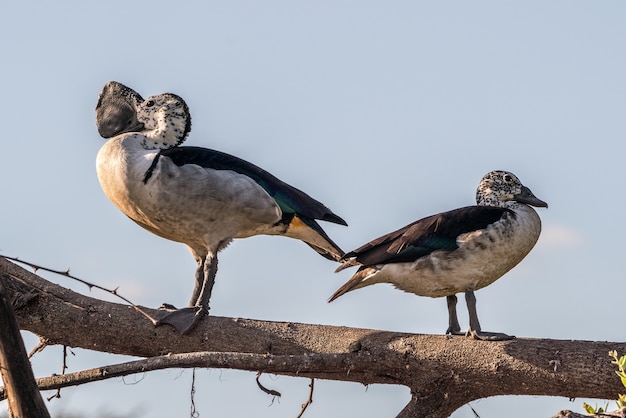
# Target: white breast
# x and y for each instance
(187, 204)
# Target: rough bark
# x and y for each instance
(24, 397)
(442, 372)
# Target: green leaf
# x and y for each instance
(590, 410)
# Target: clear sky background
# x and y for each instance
(385, 111)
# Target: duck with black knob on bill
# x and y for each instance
(197, 196)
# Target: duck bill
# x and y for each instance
(527, 197)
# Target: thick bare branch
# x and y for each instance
(24, 398)
(443, 373)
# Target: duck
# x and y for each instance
(197, 196)
(458, 251)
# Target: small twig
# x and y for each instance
(309, 401)
(194, 412)
(282, 364)
(66, 273)
(136, 381)
(475, 413)
(264, 389)
(41, 345)
(56, 395)
(64, 367)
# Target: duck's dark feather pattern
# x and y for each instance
(422, 237)
(292, 201)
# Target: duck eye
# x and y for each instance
(150, 103)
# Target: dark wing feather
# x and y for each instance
(291, 201)
(422, 237)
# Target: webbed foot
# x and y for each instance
(488, 336)
(183, 319)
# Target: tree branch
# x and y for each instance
(24, 398)
(442, 372)
(263, 363)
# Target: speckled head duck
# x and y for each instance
(197, 196)
(166, 121)
(458, 251)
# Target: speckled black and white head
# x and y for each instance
(503, 189)
(116, 110)
(166, 120)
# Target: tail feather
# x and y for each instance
(309, 231)
(331, 217)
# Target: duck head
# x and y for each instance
(166, 120)
(503, 189)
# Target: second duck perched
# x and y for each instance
(461, 250)
(197, 196)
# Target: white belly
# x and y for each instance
(481, 259)
(190, 204)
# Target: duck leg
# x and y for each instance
(209, 271)
(186, 319)
(474, 329)
(453, 321)
(197, 288)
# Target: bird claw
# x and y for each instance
(184, 319)
(454, 331)
(488, 336)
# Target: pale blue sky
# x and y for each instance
(385, 111)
